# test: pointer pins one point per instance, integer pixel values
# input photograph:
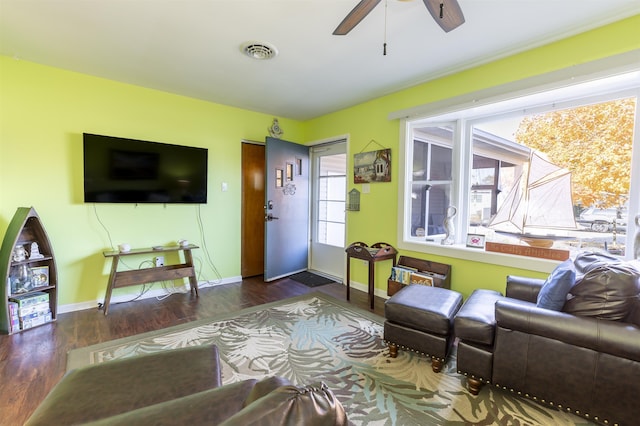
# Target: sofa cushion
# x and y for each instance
(554, 292)
(586, 261)
(476, 320)
(606, 291)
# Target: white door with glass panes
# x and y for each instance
(328, 217)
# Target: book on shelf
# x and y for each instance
(408, 275)
(14, 319)
(421, 278)
(433, 275)
(14, 326)
(13, 309)
(31, 309)
(24, 300)
(402, 274)
(37, 318)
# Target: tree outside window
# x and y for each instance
(591, 141)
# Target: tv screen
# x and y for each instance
(120, 170)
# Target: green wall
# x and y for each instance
(377, 220)
(44, 111)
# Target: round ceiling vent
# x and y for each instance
(259, 50)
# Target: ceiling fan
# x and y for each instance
(446, 13)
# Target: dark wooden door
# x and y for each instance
(253, 180)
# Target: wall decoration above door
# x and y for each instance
(275, 131)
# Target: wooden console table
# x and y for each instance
(128, 278)
(373, 254)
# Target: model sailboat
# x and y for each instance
(539, 203)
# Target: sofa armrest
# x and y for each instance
(524, 288)
(612, 337)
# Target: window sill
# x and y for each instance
(460, 251)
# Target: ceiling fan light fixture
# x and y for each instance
(259, 50)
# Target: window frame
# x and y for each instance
(428, 180)
(463, 115)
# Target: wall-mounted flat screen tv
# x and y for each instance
(120, 170)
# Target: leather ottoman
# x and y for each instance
(475, 327)
(420, 318)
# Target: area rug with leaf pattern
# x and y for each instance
(315, 338)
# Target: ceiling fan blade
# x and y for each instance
(446, 13)
(355, 16)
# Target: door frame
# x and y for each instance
(313, 198)
(331, 140)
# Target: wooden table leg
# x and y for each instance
(371, 283)
(193, 280)
(348, 275)
(112, 282)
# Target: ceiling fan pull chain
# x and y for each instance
(384, 45)
(441, 9)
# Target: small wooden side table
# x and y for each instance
(142, 276)
(373, 254)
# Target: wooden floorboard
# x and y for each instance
(33, 361)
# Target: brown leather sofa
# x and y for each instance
(181, 387)
(586, 363)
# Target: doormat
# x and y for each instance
(310, 279)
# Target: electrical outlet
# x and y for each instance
(158, 261)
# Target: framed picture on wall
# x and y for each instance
(372, 166)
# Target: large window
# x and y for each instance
(554, 166)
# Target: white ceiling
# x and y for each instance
(192, 47)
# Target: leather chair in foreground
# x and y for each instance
(583, 358)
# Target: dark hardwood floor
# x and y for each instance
(32, 362)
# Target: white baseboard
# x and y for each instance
(365, 288)
(158, 292)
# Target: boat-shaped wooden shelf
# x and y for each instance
(29, 297)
